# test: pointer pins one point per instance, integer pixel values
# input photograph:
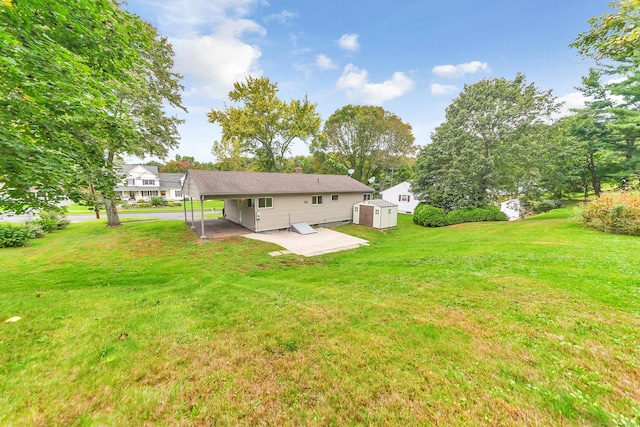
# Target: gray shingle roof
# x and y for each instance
(380, 203)
(210, 183)
(170, 180)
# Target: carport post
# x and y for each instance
(184, 206)
(193, 220)
(202, 235)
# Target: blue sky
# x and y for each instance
(410, 57)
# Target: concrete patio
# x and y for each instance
(323, 241)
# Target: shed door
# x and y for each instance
(366, 215)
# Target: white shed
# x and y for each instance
(376, 213)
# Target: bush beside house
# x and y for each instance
(430, 216)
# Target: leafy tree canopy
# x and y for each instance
(263, 126)
(83, 82)
(490, 144)
(613, 35)
(364, 138)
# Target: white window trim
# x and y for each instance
(337, 197)
(265, 203)
(316, 197)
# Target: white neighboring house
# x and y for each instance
(512, 209)
(144, 182)
(401, 196)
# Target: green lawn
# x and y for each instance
(534, 322)
(76, 209)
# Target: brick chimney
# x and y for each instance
(298, 169)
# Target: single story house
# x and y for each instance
(376, 213)
(144, 182)
(402, 196)
(264, 201)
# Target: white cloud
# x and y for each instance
(438, 89)
(454, 71)
(208, 37)
(212, 63)
(572, 100)
(349, 42)
(191, 18)
(282, 17)
(355, 82)
(325, 63)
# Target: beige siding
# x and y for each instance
(231, 210)
(289, 209)
(238, 211)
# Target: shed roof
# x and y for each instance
(378, 202)
(218, 183)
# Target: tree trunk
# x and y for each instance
(96, 207)
(630, 148)
(591, 167)
(113, 220)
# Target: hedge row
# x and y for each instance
(617, 213)
(430, 216)
(14, 235)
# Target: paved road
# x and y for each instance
(78, 218)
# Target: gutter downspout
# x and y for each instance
(255, 214)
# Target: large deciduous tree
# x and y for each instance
(489, 145)
(83, 82)
(364, 138)
(613, 35)
(263, 126)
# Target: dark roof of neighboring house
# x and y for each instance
(170, 180)
(220, 183)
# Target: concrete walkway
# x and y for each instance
(323, 242)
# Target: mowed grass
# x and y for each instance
(534, 322)
(75, 209)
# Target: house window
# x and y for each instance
(265, 202)
(131, 181)
(367, 197)
(148, 182)
(316, 200)
(250, 203)
(178, 193)
(334, 197)
(149, 193)
(404, 198)
(355, 209)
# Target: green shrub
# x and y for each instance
(55, 217)
(12, 235)
(429, 216)
(546, 206)
(617, 213)
(47, 224)
(35, 230)
(157, 201)
(492, 213)
(143, 205)
(484, 213)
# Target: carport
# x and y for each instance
(269, 201)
